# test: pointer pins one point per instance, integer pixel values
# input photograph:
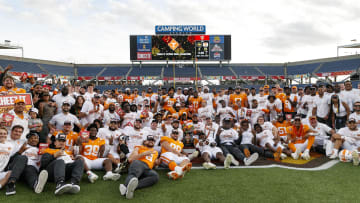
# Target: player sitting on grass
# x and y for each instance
(30, 173)
(209, 150)
(346, 138)
(271, 145)
(92, 150)
(226, 138)
(60, 166)
(300, 138)
(172, 156)
(140, 173)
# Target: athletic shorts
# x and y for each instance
(168, 157)
(212, 151)
(96, 164)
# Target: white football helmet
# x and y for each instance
(345, 155)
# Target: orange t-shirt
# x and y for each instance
(53, 151)
(281, 127)
(70, 138)
(235, 97)
(298, 134)
(169, 102)
(129, 98)
(91, 148)
(149, 159)
(196, 102)
(16, 90)
(175, 144)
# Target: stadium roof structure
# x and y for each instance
(7, 45)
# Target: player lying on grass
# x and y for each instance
(346, 138)
(60, 166)
(270, 144)
(92, 150)
(209, 151)
(173, 156)
(227, 138)
(140, 173)
(300, 138)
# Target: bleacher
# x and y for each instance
(340, 65)
(89, 70)
(20, 66)
(302, 68)
(58, 70)
(150, 70)
(246, 70)
(185, 71)
(215, 70)
(116, 71)
(272, 70)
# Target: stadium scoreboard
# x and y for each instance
(180, 47)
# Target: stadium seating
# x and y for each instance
(215, 70)
(149, 70)
(185, 71)
(302, 68)
(58, 70)
(20, 66)
(116, 71)
(89, 70)
(272, 70)
(340, 65)
(246, 70)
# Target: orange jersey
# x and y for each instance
(169, 102)
(281, 127)
(182, 111)
(298, 135)
(175, 144)
(196, 103)
(53, 151)
(71, 138)
(234, 99)
(16, 90)
(280, 96)
(91, 148)
(287, 105)
(129, 98)
(149, 159)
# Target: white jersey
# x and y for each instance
(6, 150)
(107, 134)
(32, 154)
(254, 114)
(251, 98)
(228, 136)
(135, 137)
(211, 130)
(267, 126)
(277, 104)
(17, 144)
(208, 97)
(179, 97)
(108, 116)
(264, 137)
(355, 134)
(86, 108)
(247, 137)
(262, 101)
(129, 119)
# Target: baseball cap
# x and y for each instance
(97, 96)
(34, 110)
(114, 120)
(174, 132)
(312, 117)
(352, 120)
(61, 137)
(66, 103)
(31, 134)
(127, 89)
(294, 87)
(177, 104)
(266, 86)
(19, 101)
(297, 117)
(175, 121)
(67, 122)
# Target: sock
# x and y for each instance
(311, 141)
(292, 147)
(172, 165)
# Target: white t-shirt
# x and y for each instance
(310, 100)
(88, 96)
(225, 112)
(322, 106)
(129, 119)
(255, 114)
(262, 101)
(107, 134)
(109, 116)
(32, 153)
(211, 130)
(264, 137)
(349, 133)
(147, 121)
(228, 136)
(59, 99)
(86, 108)
(356, 117)
(349, 97)
(19, 121)
(135, 137)
(156, 133)
(208, 97)
(17, 144)
(207, 111)
(247, 137)
(179, 97)
(58, 120)
(6, 151)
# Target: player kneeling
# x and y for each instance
(209, 151)
(140, 173)
(171, 156)
(92, 151)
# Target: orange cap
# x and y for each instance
(266, 86)
(19, 101)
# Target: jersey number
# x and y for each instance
(176, 147)
(92, 150)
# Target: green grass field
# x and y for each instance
(340, 183)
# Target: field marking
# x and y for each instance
(324, 166)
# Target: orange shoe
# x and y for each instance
(277, 154)
(247, 153)
(187, 167)
(174, 175)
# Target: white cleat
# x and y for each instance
(233, 160)
(206, 165)
(122, 189)
(355, 157)
(42, 179)
(296, 154)
(329, 146)
(283, 156)
(111, 176)
(227, 161)
(193, 155)
(133, 183)
(334, 155)
(305, 155)
(251, 159)
(92, 177)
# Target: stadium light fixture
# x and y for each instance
(347, 46)
(7, 45)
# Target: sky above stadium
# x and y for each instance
(89, 31)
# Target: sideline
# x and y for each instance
(325, 166)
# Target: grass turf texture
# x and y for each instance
(339, 183)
